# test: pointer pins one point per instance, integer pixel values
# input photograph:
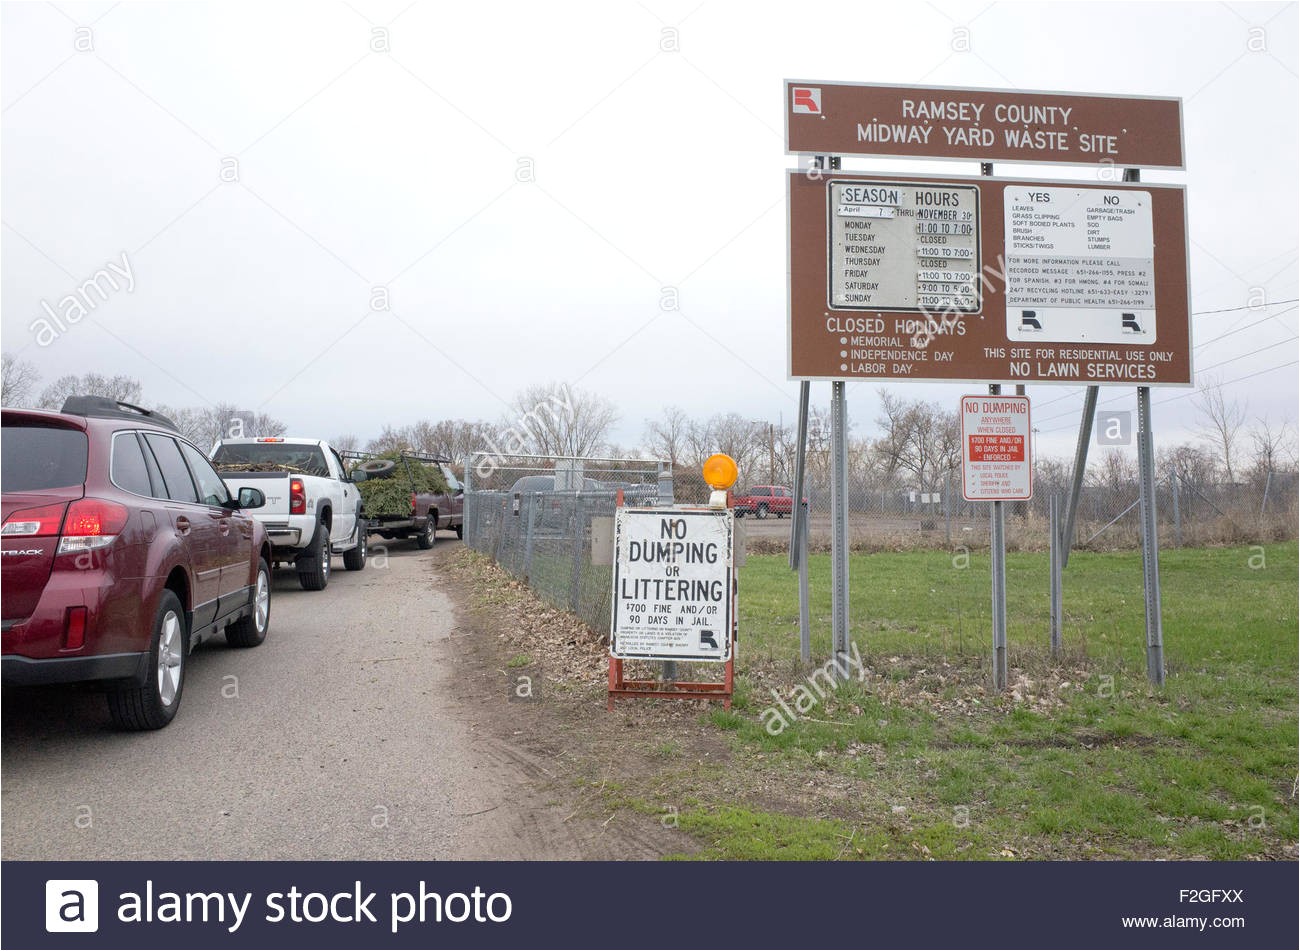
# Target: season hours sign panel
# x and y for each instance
(672, 584)
(903, 246)
(981, 279)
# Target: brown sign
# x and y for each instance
(986, 125)
(980, 279)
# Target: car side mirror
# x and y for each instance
(357, 475)
(251, 498)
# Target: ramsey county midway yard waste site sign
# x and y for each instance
(672, 584)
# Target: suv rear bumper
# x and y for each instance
(16, 670)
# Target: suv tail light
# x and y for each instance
(297, 498)
(39, 522)
(412, 501)
(91, 524)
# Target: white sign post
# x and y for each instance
(672, 584)
(995, 449)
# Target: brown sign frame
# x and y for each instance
(813, 349)
(1147, 130)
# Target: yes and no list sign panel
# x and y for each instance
(970, 279)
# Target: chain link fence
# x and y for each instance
(893, 512)
(533, 516)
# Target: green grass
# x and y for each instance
(1092, 762)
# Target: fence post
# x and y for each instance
(531, 499)
(1178, 520)
(1268, 480)
(579, 533)
(947, 508)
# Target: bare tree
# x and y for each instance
(1222, 422)
(665, 437)
(346, 443)
(453, 439)
(920, 438)
(19, 381)
(205, 425)
(391, 439)
(191, 422)
(744, 440)
(1114, 471)
(1195, 466)
(122, 388)
(555, 419)
(1270, 442)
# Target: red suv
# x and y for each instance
(121, 550)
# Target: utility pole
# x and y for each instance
(771, 454)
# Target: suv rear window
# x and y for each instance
(42, 457)
(287, 457)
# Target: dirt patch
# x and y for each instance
(533, 677)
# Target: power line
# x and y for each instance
(1057, 399)
(1246, 327)
(1183, 396)
(1229, 310)
(1212, 366)
(1180, 396)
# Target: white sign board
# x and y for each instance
(672, 584)
(903, 246)
(1080, 265)
(995, 456)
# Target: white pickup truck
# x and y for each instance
(312, 508)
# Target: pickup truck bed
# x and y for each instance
(427, 512)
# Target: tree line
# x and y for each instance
(916, 444)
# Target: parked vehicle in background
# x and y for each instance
(312, 508)
(428, 509)
(557, 509)
(121, 550)
(764, 500)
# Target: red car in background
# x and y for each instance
(764, 500)
(121, 549)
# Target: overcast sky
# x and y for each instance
(521, 182)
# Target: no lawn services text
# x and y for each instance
(297, 907)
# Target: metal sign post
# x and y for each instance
(998, 549)
(1055, 545)
(1080, 467)
(839, 530)
(1150, 552)
(799, 526)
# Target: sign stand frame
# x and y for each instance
(672, 689)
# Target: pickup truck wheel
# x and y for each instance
(430, 534)
(153, 705)
(762, 512)
(354, 559)
(318, 576)
(250, 630)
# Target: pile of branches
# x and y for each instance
(391, 495)
(255, 467)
